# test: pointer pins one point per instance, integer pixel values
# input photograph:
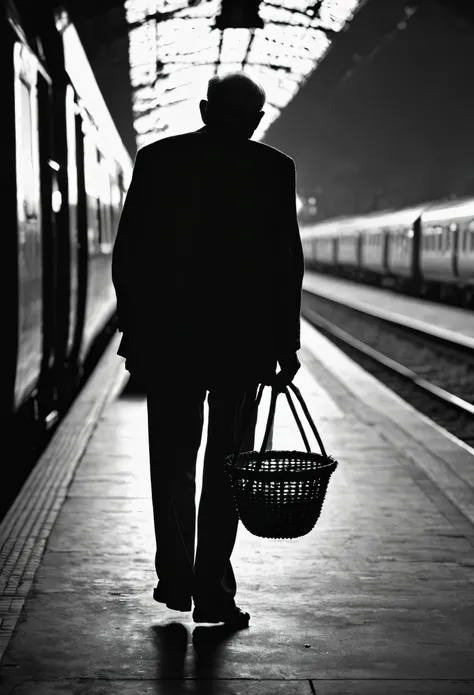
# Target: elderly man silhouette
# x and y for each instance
(208, 269)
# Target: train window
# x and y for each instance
(431, 239)
(92, 182)
(470, 228)
(27, 170)
(105, 222)
(446, 239)
(115, 196)
(439, 237)
(463, 239)
(72, 174)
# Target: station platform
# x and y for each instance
(377, 599)
(449, 322)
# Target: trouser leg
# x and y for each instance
(215, 583)
(175, 420)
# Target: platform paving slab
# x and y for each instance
(378, 598)
(243, 687)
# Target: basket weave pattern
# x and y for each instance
(283, 499)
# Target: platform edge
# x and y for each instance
(25, 529)
(448, 462)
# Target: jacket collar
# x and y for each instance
(226, 133)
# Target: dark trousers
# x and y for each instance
(175, 422)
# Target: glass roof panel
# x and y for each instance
(175, 49)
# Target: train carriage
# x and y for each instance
(104, 171)
(425, 249)
(35, 310)
(64, 178)
(447, 250)
(403, 242)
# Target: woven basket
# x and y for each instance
(279, 494)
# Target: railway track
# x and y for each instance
(432, 373)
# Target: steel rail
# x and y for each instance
(400, 369)
(444, 338)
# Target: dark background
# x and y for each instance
(399, 129)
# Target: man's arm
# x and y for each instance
(291, 271)
(124, 251)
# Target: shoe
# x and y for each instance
(234, 617)
(176, 603)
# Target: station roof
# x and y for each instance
(176, 46)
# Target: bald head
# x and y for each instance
(235, 102)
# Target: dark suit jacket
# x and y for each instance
(208, 264)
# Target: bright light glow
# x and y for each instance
(56, 201)
(173, 59)
(85, 84)
(299, 203)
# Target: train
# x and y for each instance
(65, 173)
(424, 250)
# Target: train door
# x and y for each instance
(466, 251)
(82, 253)
(454, 238)
(73, 176)
(358, 240)
(29, 238)
(415, 260)
(385, 252)
(9, 255)
(55, 299)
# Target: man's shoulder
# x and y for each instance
(185, 141)
(271, 153)
(170, 142)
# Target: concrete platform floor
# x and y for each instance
(378, 599)
(452, 322)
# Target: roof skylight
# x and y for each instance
(175, 50)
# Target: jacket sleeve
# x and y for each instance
(124, 251)
(291, 269)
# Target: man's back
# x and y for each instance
(214, 220)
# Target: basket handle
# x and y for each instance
(249, 420)
(271, 417)
(308, 417)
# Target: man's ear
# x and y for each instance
(203, 109)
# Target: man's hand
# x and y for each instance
(288, 369)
